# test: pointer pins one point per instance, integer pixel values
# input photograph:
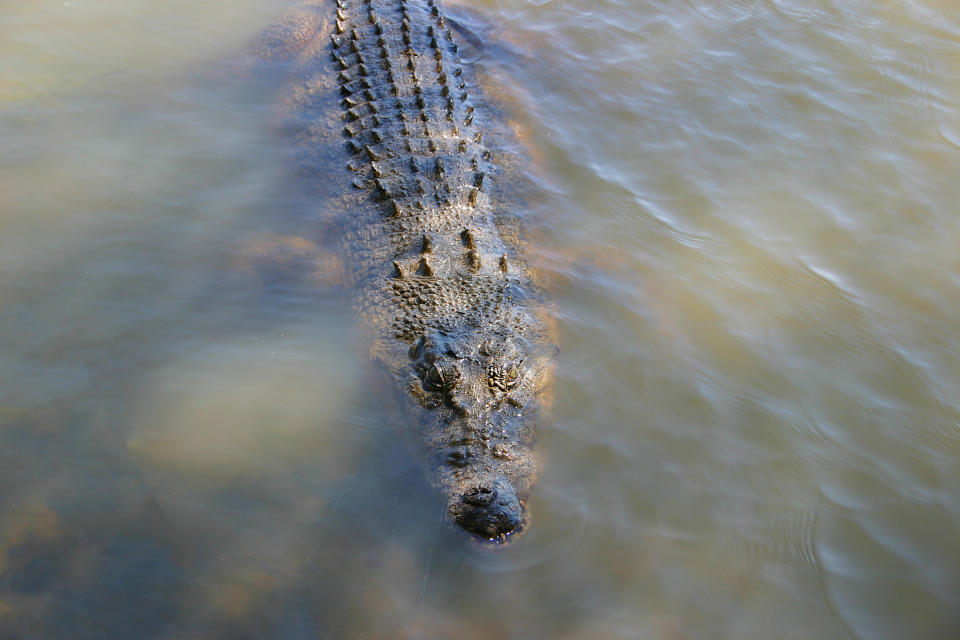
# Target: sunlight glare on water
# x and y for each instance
(749, 226)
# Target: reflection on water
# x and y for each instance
(749, 223)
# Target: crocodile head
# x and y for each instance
(477, 393)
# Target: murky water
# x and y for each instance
(750, 221)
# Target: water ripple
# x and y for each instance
(732, 11)
(563, 520)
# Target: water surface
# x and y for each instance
(749, 221)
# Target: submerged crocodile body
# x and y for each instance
(430, 247)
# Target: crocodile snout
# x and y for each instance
(491, 510)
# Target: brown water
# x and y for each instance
(751, 221)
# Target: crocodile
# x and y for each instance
(429, 242)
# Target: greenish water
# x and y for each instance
(750, 223)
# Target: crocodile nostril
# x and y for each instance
(479, 497)
(491, 511)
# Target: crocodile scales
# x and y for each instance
(431, 252)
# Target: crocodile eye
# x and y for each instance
(441, 377)
(435, 376)
(505, 377)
